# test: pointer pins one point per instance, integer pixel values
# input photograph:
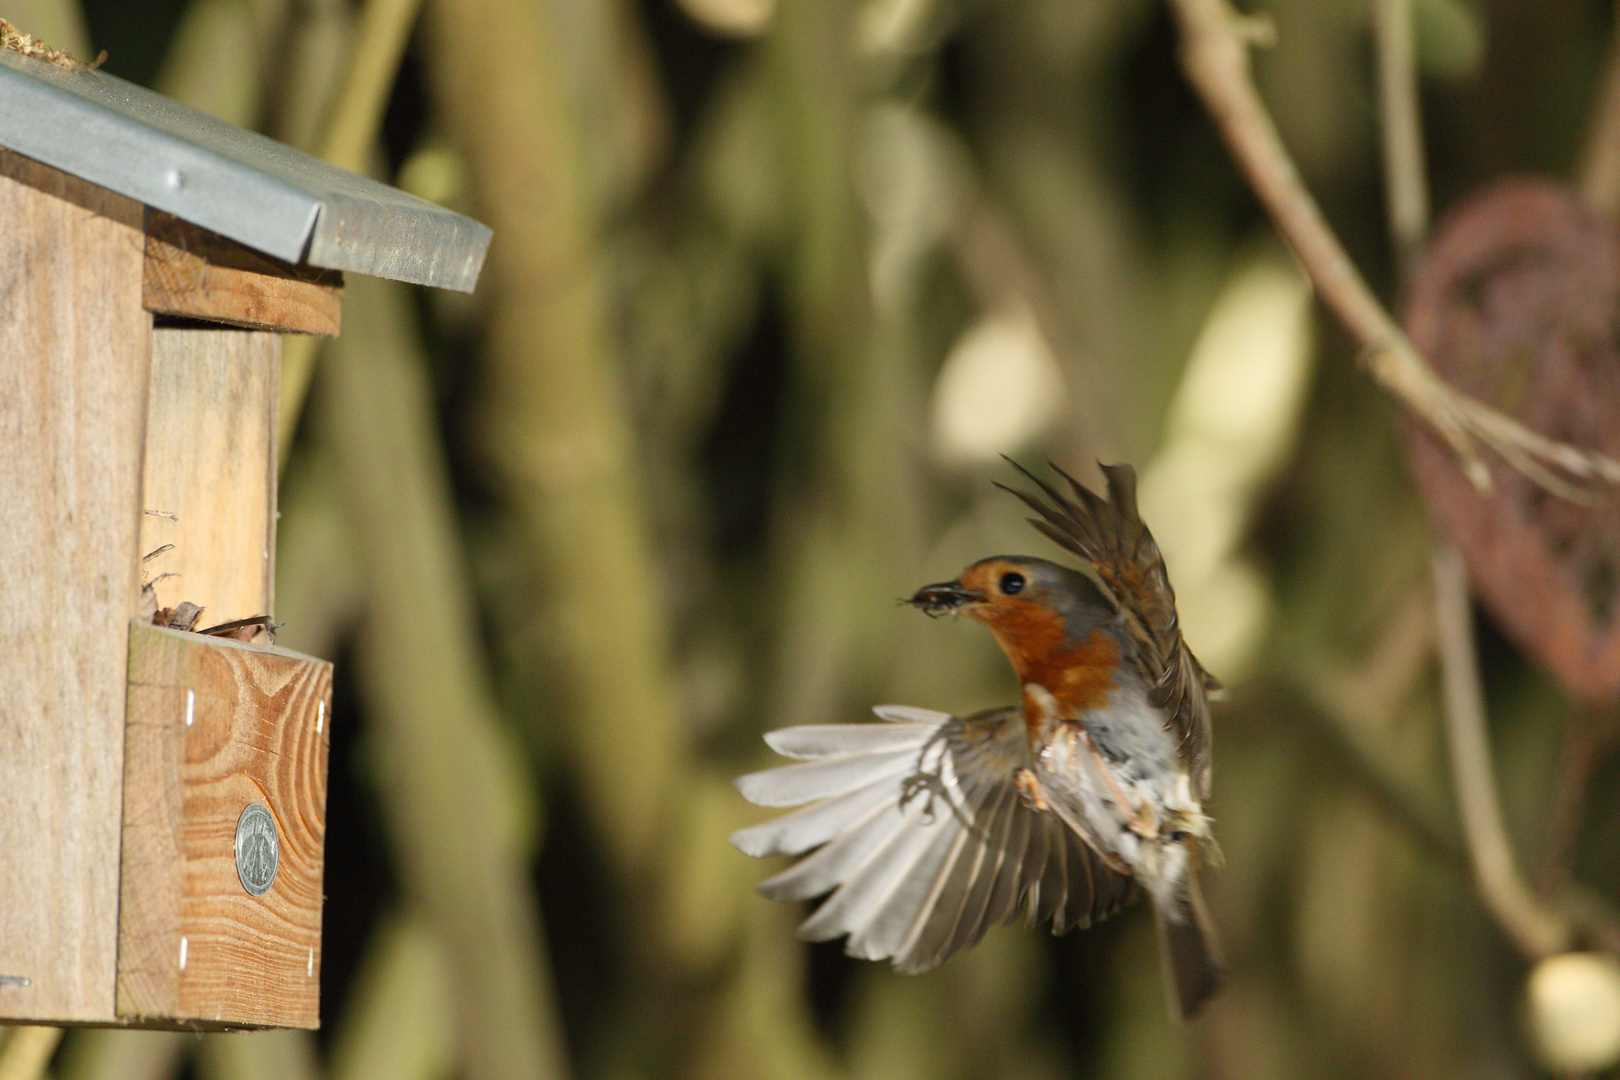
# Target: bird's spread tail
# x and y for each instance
(1191, 954)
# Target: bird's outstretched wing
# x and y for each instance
(918, 831)
(1111, 536)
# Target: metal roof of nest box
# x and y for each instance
(231, 181)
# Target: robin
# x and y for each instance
(932, 828)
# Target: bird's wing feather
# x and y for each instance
(921, 836)
(823, 778)
(1111, 536)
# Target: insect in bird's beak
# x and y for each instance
(945, 597)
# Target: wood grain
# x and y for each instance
(258, 734)
(202, 275)
(74, 345)
(210, 470)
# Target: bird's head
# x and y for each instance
(1033, 607)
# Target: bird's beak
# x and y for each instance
(946, 596)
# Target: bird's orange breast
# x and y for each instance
(1078, 674)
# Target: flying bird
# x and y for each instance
(931, 828)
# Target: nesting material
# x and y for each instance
(17, 41)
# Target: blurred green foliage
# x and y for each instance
(575, 542)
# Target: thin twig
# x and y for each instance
(1589, 732)
(1406, 187)
(1215, 44)
(1536, 929)
(997, 266)
(1354, 704)
(1373, 689)
(1600, 160)
(1344, 730)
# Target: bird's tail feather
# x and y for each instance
(1191, 954)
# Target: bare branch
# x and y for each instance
(1535, 928)
(1406, 186)
(1589, 734)
(997, 266)
(1600, 161)
(1215, 43)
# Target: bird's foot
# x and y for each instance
(1029, 789)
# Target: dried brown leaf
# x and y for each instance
(1515, 304)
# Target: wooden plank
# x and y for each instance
(74, 343)
(209, 479)
(194, 946)
(202, 275)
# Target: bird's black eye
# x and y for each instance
(1012, 582)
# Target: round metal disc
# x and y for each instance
(258, 850)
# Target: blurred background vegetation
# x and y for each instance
(773, 284)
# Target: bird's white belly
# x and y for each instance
(1116, 769)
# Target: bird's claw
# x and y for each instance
(1029, 789)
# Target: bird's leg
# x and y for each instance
(926, 781)
(1141, 820)
(1029, 789)
(924, 784)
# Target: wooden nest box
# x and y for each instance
(162, 792)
